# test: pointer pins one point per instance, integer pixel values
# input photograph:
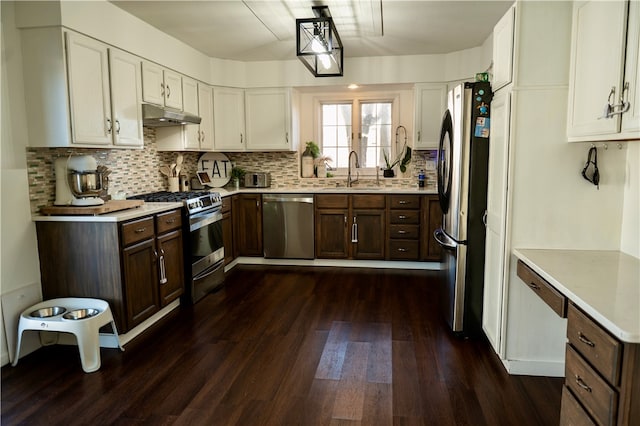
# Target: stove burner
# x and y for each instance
(194, 201)
(167, 197)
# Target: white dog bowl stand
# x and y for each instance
(86, 330)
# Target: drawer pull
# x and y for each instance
(584, 340)
(402, 250)
(402, 231)
(534, 286)
(582, 384)
(170, 221)
(402, 216)
(403, 202)
(140, 230)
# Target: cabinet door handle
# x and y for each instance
(109, 127)
(163, 269)
(345, 220)
(585, 340)
(534, 286)
(203, 136)
(241, 138)
(168, 91)
(286, 137)
(140, 230)
(117, 126)
(354, 232)
(419, 135)
(162, 89)
(582, 384)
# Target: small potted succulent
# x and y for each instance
(403, 159)
(237, 174)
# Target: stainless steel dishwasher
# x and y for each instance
(287, 224)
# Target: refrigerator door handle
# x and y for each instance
(444, 240)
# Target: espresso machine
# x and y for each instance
(78, 181)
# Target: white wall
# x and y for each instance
(630, 234)
(18, 251)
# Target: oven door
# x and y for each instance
(205, 241)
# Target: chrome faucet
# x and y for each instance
(349, 181)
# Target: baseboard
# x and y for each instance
(336, 263)
(534, 368)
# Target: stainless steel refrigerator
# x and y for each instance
(462, 166)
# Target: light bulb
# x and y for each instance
(325, 60)
(317, 47)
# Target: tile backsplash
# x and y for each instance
(136, 171)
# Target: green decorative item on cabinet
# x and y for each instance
(308, 157)
(403, 159)
(237, 174)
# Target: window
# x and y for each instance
(361, 125)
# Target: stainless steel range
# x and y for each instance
(203, 242)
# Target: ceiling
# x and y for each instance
(263, 30)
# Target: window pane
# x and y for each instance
(376, 133)
(336, 132)
(329, 114)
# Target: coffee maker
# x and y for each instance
(78, 182)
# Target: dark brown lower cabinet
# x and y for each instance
(247, 224)
(430, 221)
(227, 230)
(350, 226)
(136, 266)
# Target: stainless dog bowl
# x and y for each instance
(79, 314)
(85, 184)
(51, 311)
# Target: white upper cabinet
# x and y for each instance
(80, 92)
(631, 119)
(503, 50)
(191, 137)
(268, 120)
(205, 108)
(228, 119)
(430, 104)
(190, 95)
(161, 86)
(600, 82)
(88, 72)
(126, 98)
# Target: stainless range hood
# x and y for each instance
(155, 116)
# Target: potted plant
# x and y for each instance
(308, 159)
(403, 158)
(237, 174)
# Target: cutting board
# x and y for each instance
(107, 207)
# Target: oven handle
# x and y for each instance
(210, 270)
(200, 220)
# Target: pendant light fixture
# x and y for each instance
(318, 44)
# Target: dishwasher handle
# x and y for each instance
(286, 199)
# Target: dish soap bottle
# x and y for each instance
(421, 179)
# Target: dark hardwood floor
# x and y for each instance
(288, 346)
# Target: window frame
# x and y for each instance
(356, 100)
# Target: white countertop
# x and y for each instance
(225, 192)
(152, 208)
(604, 284)
(119, 216)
